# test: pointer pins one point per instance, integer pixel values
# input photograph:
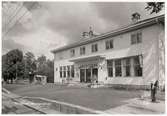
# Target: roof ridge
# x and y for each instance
(109, 32)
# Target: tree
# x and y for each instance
(45, 67)
(155, 7)
(41, 64)
(29, 64)
(11, 61)
(50, 71)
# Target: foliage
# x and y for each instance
(29, 64)
(45, 67)
(10, 63)
(155, 7)
(15, 65)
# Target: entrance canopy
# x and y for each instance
(87, 58)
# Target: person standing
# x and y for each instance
(154, 88)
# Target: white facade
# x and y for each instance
(150, 53)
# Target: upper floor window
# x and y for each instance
(94, 48)
(136, 38)
(109, 44)
(82, 50)
(72, 52)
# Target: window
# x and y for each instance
(127, 66)
(136, 38)
(72, 52)
(82, 50)
(61, 72)
(64, 71)
(94, 48)
(137, 66)
(110, 68)
(68, 71)
(124, 67)
(109, 44)
(72, 70)
(118, 69)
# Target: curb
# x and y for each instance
(69, 108)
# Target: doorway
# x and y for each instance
(88, 75)
(82, 75)
(95, 74)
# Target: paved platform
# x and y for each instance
(139, 106)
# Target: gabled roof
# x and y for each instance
(131, 27)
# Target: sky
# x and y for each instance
(40, 27)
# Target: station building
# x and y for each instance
(131, 55)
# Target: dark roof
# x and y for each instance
(124, 29)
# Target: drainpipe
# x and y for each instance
(158, 47)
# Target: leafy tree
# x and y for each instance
(45, 67)
(10, 64)
(155, 7)
(29, 64)
(50, 71)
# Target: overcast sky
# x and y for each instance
(49, 25)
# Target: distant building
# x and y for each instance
(131, 55)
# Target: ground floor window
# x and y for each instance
(67, 71)
(72, 70)
(118, 68)
(64, 71)
(61, 72)
(110, 68)
(125, 67)
(137, 66)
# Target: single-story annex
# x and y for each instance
(131, 55)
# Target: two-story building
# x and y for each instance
(131, 55)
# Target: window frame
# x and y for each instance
(72, 71)
(109, 44)
(127, 65)
(61, 71)
(64, 72)
(118, 66)
(110, 68)
(137, 67)
(82, 50)
(72, 52)
(136, 37)
(94, 47)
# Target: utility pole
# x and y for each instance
(16, 71)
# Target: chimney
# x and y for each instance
(89, 34)
(135, 17)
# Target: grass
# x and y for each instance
(95, 98)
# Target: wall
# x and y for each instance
(123, 48)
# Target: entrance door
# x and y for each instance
(82, 75)
(95, 74)
(88, 75)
